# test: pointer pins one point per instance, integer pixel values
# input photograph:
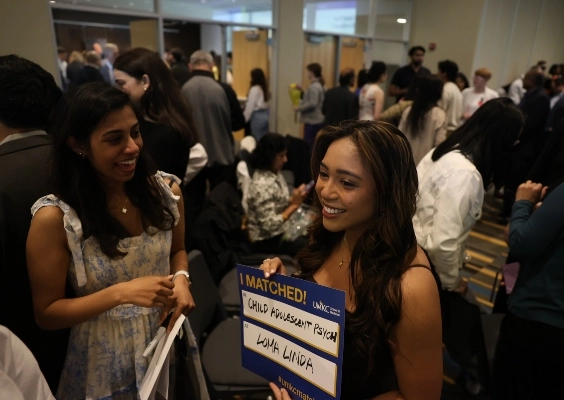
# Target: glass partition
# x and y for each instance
(80, 30)
(337, 16)
(392, 19)
(254, 12)
(137, 5)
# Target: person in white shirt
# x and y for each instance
(20, 376)
(371, 98)
(451, 100)
(62, 64)
(474, 97)
(256, 108)
(452, 181)
(516, 90)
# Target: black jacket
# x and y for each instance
(536, 108)
(89, 74)
(22, 182)
(181, 73)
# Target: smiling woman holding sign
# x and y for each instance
(365, 245)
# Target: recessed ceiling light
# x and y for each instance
(402, 20)
(52, 1)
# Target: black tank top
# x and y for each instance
(357, 382)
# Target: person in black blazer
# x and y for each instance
(340, 103)
(28, 95)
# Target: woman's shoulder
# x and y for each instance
(169, 182)
(418, 282)
(262, 176)
(317, 86)
(51, 215)
(55, 205)
(438, 113)
(372, 88)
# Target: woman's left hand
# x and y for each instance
(181, 299)
(280, 394)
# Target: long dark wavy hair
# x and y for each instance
(258, 78)
(75, 181)
(162, 102)
(386, 249)
(428, 93)
(486, 139)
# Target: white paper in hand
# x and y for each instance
(156, 378)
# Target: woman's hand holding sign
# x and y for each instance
(272, 266)
(280, 394)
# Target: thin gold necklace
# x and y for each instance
(343, 252)
(123, 209)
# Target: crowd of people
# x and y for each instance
(94, 246)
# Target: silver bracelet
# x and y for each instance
(182, 272)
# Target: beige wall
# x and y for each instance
(506, 36)
(453, 26)
(516, 34)
(287, 65)
(26, 30)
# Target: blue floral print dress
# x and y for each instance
(105, 354)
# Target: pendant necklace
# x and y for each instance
(123, 209)
(343, 252)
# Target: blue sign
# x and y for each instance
(293, 333)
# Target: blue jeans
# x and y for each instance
(310, 132)
(259, 123)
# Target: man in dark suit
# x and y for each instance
(340, 103)
(28, 95)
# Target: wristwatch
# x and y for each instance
(182, 272)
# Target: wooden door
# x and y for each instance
(321, 50)
(352, 54)
(250, 51)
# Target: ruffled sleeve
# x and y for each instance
(171, 200)
(73, 229)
